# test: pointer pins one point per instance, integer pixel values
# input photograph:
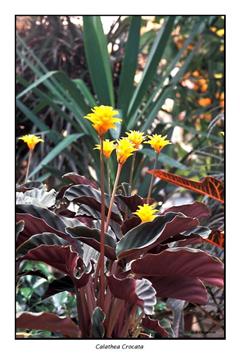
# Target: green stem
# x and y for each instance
(113, 195)
(132, 170)
(152, 180)
(28, 164)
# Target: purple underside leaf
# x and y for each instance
(49, 322)
(34, 225)
(134, 291)
(194, 210)
(45, 238)
(130, 223)
(131, 202)
(58, 285)
(180, 273)
(183, 288)
(78, 179)
(62, 258)
(92, 197)
(154, 325)
(146, 236)
(92, 238)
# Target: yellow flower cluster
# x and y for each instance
(103, 119)
(136, 138)
(31, 140)
(124, 149)
(146, 212)
(108, 147)
(157, 142)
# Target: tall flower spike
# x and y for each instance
(31, 140)
(108, 147)
(135, 137)
(124, 149)
(157, 142)
(103, 119)
(146, 212)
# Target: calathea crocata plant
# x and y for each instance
(115, 252)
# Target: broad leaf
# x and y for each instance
(191, 289)
(92, 238)
(49, 322)
(187, 262)
(209, 186)
(62, 258)
(188, 267)
(134, 291)
(44, 238)
(58, 285)
(145, 236)
(90, 196)
(78, 179)
(34, 225)
(194, 210)
(154, 325)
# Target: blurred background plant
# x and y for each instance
(165, 75)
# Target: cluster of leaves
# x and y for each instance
(137, 70)
(143, 262)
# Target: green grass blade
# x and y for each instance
(36, 83)
(98, 60)
(56, 151)
(37, 122)
(129, 64)
(149, 72)
(85, 92)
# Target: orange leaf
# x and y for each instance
(209, 186)
(216, 238)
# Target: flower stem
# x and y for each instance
(28, 164)
(132, 169)
(113, 195)
(108, 176)
(152, 179)
(102, 232)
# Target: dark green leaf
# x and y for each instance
(98, 60)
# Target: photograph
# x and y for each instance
(119, 178)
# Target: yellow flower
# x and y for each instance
(146, 212)
(136, 138)
(108, 147)
(103, 119)
(31, 140)
(124, 149)
(157, 142)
